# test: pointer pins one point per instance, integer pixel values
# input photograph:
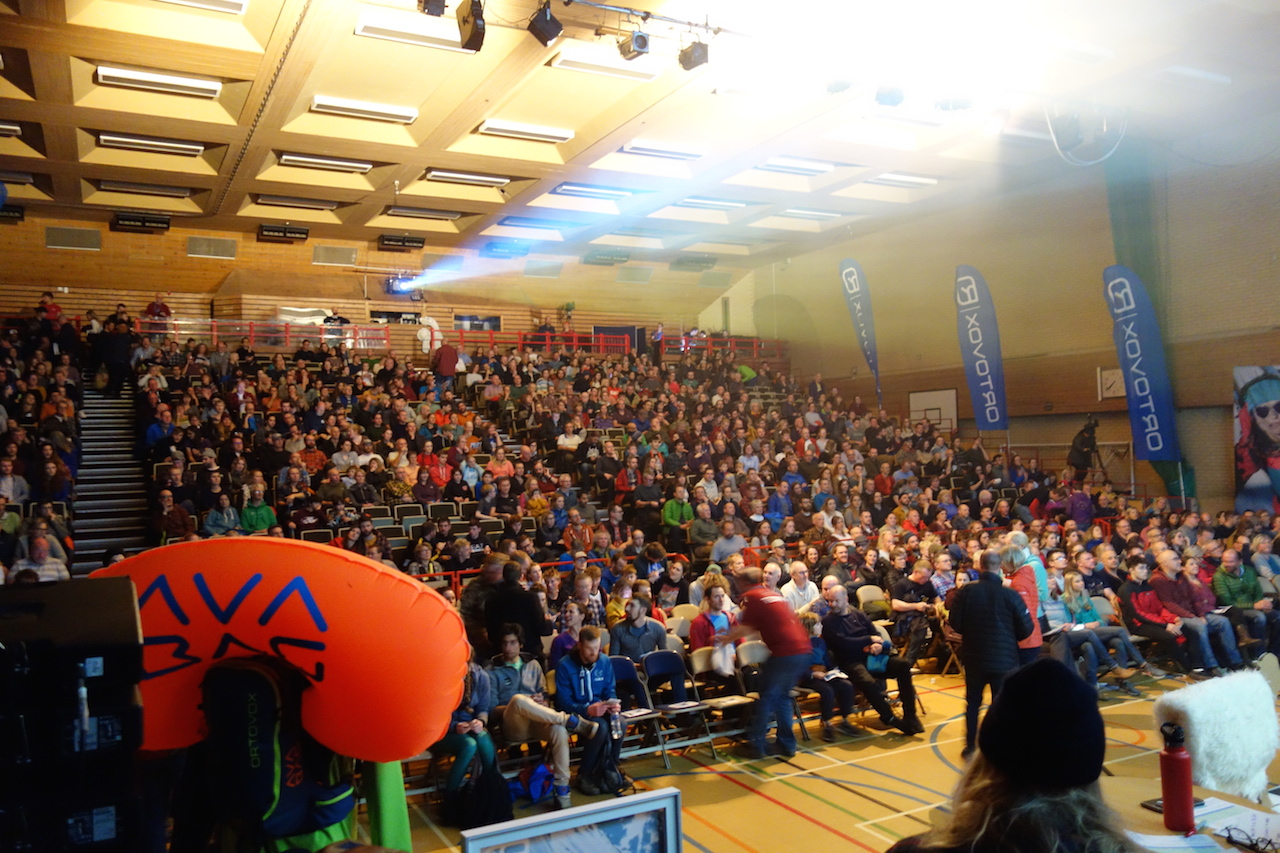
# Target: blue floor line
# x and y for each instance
(688, 840)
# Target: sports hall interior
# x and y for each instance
(1039, 145)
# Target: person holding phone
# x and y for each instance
(585, 687)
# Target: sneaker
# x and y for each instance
(562, 797)
(1129, 688)
(1154, 671)
(587, 787)
(847, 728)
(584, 726)
(750, 751)
(828, 732)
(1217, 671)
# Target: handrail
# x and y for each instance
(269, 333)
(755, 348)
(540, 341)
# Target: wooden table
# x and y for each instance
(1125, 795)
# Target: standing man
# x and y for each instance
(992, 619)
(766, 612)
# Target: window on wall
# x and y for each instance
(476, 323)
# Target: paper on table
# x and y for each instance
(1162, 843)
(1259, 824)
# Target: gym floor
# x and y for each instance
(859, 793)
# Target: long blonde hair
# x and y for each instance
(991, 813)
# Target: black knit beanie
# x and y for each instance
(1043, 730)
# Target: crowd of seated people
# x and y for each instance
(41, 392)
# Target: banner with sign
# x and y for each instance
(980, 344)
(858, 297)
(1140, 349)
(1257, 438)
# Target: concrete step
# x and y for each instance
(108, 489)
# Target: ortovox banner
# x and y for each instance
(980, 343)
(859, 299)
(1141, 353)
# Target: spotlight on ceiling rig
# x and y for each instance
(471, 24)
(633, 44)
(693, 56)
(543, 25)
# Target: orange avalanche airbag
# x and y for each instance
(385, 655)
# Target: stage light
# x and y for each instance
(633, 44)
(543, 25)
(693, 56)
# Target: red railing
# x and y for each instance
(753, 348)
(267, 333)
(539, 341)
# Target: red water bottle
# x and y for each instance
(1175, 780)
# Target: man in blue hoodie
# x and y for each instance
(585, 687)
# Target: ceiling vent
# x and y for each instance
(363, 109)
(529, 132)
(169, 84)
(150, 144)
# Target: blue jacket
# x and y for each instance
(479, 704)
(578, 686)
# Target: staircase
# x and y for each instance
(111, 495)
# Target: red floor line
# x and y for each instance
(781, 804)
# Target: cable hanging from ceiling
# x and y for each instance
(1066, 135)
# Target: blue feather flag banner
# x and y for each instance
(856, 294)
(1140, 349)
(980, 345)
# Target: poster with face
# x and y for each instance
(1257, 438)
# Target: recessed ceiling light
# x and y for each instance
(797, 166)
(596, 59)
(544, 224)
(518, 130)
(424, 213)
(363, 109)
(8, 128)
(144, 189)
(332, 164)
(903, 180)
(234, 7)
(1187, 74)
(711, 203)
(7, 177)
(657, 149)
(295, 201)
(589, 191)
(169, 84)
(150, 144)
(469, 178)
(424, 31)
(804, 213)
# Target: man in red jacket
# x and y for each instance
(766, 612)
(1198, 620)
(1147, 616)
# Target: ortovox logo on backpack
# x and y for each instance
(268, 771)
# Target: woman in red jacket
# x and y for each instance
(1015, 561)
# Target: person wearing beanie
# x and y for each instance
(1258, 450)
(1027, 791)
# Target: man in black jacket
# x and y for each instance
(852, 637)
(992, 619)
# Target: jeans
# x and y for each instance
(834, 696)
(1118, 638)
(975, 681)
(1167, 642)
(1090, 648)
(1262, 625)
(777, 676)
(464, 748)
(1200, 632)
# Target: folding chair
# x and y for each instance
(700, 663)
(410, 523)
(466, 509)
(399, 546)
(686, 611)
(444, 509)
(675, 644)
(666, 667)
(627, 678)
(1102, 604)
(376, 512)
(751, 657)
(492, 527)
(402, 510)
(679, 626)
(321, 536)
(383, 522)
